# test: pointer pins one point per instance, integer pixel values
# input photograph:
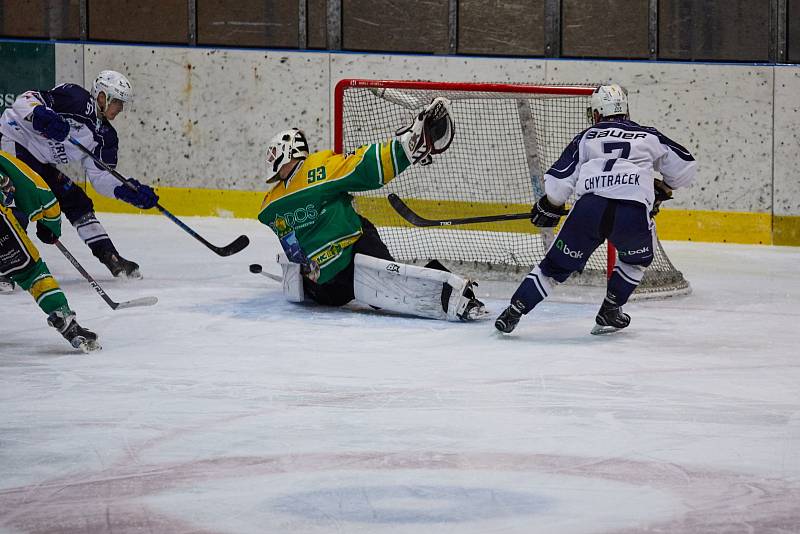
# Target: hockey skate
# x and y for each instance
(119, 266)
(609, 319)
(474, 309)
(508, 320)
(79, 337)
(6, 285)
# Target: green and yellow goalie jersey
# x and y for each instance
(315, 201)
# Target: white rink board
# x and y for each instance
(206, 126)
(787, 141)
(202, 117)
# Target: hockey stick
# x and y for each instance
(235, 246)
(405, 212)
(144, 301)
(257, 269)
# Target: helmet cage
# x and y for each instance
(285, 146)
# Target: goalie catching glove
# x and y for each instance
(429, 133)
(546, 215)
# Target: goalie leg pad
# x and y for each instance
(409, 289)
(292, 279)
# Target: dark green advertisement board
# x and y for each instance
(25, 66)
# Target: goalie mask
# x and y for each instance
(607, 101)
(282, 148)
(114, 85)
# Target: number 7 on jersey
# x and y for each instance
(610, 146)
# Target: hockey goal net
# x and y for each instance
(507, 135)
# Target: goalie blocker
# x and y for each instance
(401, 288)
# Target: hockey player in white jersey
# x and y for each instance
(610, 169)
(35, 130)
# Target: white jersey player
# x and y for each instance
(610, 167)
(35, 130)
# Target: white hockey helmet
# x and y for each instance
(114, 85)
(609, 100)
(283, 147)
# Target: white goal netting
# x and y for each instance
(506, 136)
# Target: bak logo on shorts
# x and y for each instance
(577, 254)
(393, 268)
(632, 252)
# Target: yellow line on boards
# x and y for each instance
(677, 225)
(190, 202)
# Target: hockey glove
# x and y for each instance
(143, 197)
(663, 192)
(430, 132)
(546, 215)
(310, 270)
(6, 191)
(45, 234)
(49, 123)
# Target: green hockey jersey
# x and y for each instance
(315, 202)
(32, 196)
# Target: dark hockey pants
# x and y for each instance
(338, 291)
(592, 220)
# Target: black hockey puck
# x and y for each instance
(255, 268)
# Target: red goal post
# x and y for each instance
(507, 136)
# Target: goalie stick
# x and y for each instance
(232, 248)
(144, 301)
(408, 214)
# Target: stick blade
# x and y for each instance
(237, 245)
(417, 220)
(405, 212)
(135, 303)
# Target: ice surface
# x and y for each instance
(225, 409)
